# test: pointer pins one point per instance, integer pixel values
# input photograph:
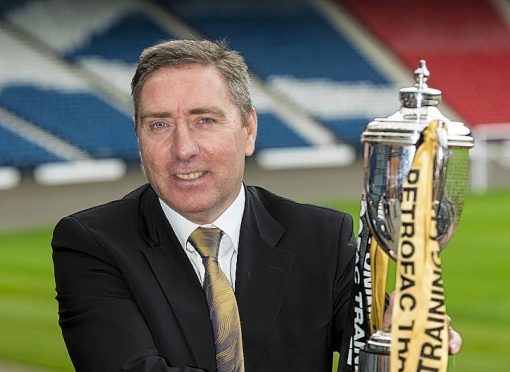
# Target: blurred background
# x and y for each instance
(322, 70)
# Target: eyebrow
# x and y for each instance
(208, 110)
(196, 111)
(146, 115)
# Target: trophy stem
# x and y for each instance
(375, 356)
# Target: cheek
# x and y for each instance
(144, 152)
(216, 146)
(152, 156)
(232, 151)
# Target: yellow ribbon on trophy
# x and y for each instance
(379, 272)
(419, 326)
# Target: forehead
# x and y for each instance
(186, 76)
(186, 84)
(187, 90)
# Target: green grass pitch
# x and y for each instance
(476, 274)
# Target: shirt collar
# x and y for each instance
(229, 221)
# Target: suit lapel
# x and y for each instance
(177, 279)
(263, 271)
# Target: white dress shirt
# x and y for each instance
(229, 222)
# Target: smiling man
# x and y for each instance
(193, 140)
(196, 271)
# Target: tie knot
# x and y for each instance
(206, 241)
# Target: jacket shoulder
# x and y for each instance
(279, 205)
(119, 210)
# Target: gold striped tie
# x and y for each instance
(221, 300)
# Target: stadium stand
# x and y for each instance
(79, 118)
(75, 82)
(52, 90)
(70, 62)
(466, 45)
(123, 40)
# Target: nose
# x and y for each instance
(184, 145)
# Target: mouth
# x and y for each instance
(189, 176)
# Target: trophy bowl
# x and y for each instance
(389, 148)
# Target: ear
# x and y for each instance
(135, 125)
(251, 132)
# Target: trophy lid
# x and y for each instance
(419, 107)
(420, 95)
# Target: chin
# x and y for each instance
(191, 208)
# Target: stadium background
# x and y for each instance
(322, 70)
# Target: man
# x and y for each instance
(134, 286)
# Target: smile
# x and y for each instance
(190, 176)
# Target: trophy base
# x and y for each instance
(375, 356)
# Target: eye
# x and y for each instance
(206, 121)
(158, 125)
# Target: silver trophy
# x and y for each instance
(389, 148)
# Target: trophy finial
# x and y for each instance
(420, 95)
(421, 75)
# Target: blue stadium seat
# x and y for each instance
(348, 129)
(80, 118)
(285, 38)
(16, 151)
(272, 132)
(123, 41)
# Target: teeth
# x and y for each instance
(189, 176)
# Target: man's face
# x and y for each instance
(192, 140)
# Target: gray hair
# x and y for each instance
(178, 53)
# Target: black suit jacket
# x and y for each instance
(129, 299)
